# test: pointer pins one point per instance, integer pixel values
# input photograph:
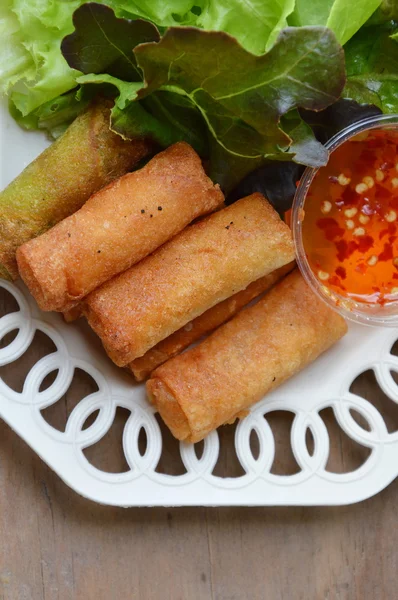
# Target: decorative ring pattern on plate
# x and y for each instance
(324, 384)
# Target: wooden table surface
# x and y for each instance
(55, 545)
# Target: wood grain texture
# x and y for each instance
(56, 545)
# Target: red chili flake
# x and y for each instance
(395, 275)
(365, 243)
(342, 248)
(377, 142)
(387, 253)
(341, 272)
(382, 193)
(331, 228)
(345, 249)
(368, 155)
(334, 280)
(350, 197)
(391, 230)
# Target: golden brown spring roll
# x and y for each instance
(86, 158)
(73, 313)
(202, 266)
(244, 359)
(211, 319)
(117, 227)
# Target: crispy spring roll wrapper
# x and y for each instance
(211, 319)
(86, 158)
(244, 359)
(73, 313)
(202, 266)
(117, 227)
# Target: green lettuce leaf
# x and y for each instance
(229, 169)
(345, 18)
(103, 44)
(55, 115)
(305, 148)
(236, 136)
(255, 24)
(15, 58)
(242, 96)
(36, 71)
(387, 11)
(277, 181)
(166, 117)
(164, 13)
(372, 67)
(101, 47)
(127, 90)
(234, 99)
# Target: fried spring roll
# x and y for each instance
(211, 319)
(202, 266)
(117, 227)
(73, 313)
(86, 158)
(244, 359)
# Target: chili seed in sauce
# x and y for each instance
(350, 229)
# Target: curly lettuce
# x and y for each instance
(230, 108)
(33, 69)
(343, 17)
(228, 76)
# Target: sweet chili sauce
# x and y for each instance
(350, 225)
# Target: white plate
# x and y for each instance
(325, 384)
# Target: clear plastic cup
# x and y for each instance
(360, 312)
